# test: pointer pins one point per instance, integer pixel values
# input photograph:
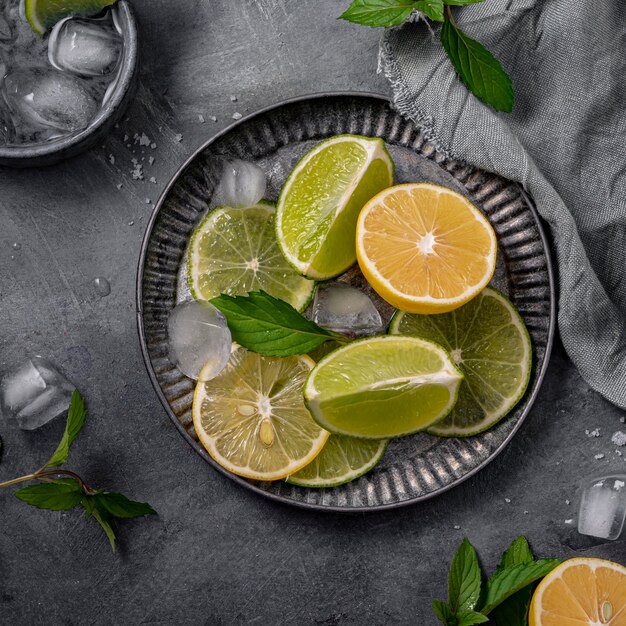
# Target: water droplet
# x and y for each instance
(17, 246)
(102, 286)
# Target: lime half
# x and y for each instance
(382, 387)
(320, 203)
(234, 251)
(341, 460)
(43, 14)
(491, 346)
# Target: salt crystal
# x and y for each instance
(213, 118)
(525, 512)
(507, 500)
(131, 223)
(567, 502)
(593, 433)
(201, 119)
(153, 146)
(233, 98)
(237, 115)
(598, 457)
(126, 138)
(148, 201)
(153, 180)
(111, 159)
(151, 160)
(178, 137)
(119, 185)
(619, 438)
(569, 521)
(618, 484)
(457, 527)
(622, 419)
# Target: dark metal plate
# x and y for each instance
(413, 468)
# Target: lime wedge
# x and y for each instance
(491, 346)
(341, 460)
(234, 251)
(320, 203)
(43, 14)
(382, 387)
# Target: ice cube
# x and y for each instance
(199, 339)
(44, 100)
(603, 507)
(242, 184)
(84, 47)
(35, 393)
(346, 310)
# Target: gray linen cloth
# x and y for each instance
(565, 142)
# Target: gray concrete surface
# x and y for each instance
(217, 554)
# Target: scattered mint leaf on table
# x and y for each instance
(379, 12)
(63, 494)
(510, 580)
(76, 417)
(269, 326)
(464, 579)
(477, 68)
(57, 495)
(469, 618)
(514, 610)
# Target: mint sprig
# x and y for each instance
(64, 494)
(505, 598)
(477, 68)
(269, 326)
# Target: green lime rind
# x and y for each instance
(321, 199)
(491, 345)
(380, 388)
(234, 251)
(43, 14)
(342, 460)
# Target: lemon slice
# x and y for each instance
(425, 248)
(234, 251)
(489, 343)
(382, 387)
(320, 203)
(342, 460)
(579, 592)
(252, 420)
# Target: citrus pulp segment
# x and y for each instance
(320, 203)
(43, 14)
(489, 343)
(425, 248)
(234, 251)
(252, 419)
(342, 460)
(581, 592)
(382, 387)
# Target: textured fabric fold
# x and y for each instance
(565, 142)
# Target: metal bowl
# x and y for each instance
(414, 468)
(66, 147)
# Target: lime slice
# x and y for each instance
(252, 420)
(43, 14)
(234, 251)
(320, 203)
(341, 460)
(382, 387)
(491, 346)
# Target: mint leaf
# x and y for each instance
(379, 12)
(510, 580)
(444, 612)
(431, 8)
(119, 505)
(264, 324)
(103, 518)
(469, 618)
(514, 610)
(518, 552)
(76, 417)
(464, 579)
(57, 495)
(460, 3)
(477, 68)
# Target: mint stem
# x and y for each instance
(41, 475)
